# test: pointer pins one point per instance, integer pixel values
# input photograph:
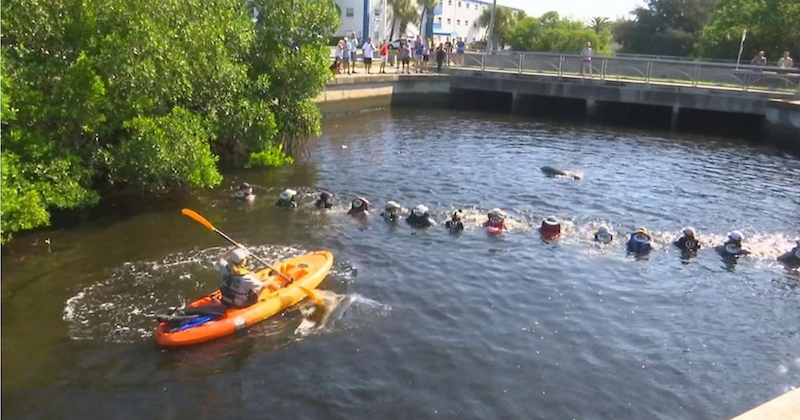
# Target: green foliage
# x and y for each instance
(272, 157)
(151, 94)
(553, 33)
(665, 27)
(772, 26)
(504, 21)
(403, 12)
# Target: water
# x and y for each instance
(428, 324)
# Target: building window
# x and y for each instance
(348, 12)
(458, 22)
(466, 23)
(439, 19)
(449, 2)
(448, 21)
(476, 7)
(459, 4)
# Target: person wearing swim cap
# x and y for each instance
(639, 242)
(359, 207)
(245, 192)
(688, 242)
(324, 201)
(455, 224)
(419, 217)
(733, 245)
(286, 199)
(603, 235)
(391, 212)
(791, 257)
(495, 220)
(550, 227)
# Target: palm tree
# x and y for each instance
(599, 23)
(403, 11)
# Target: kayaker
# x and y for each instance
(419, 217)
(245, 192)
(391, 212)
(733, 245)
(603, 235)
(359, 207)
(639, 241)
(240, 286)
(324, 201)
(455, 223)
(688, 242)
(496, 219)
(791, 257)
(550, 227)
(286, 199)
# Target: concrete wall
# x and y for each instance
(394, 86)
(782, 123)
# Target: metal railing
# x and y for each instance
(724, 76)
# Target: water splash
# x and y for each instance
(338, 313)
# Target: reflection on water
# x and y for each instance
(427, 323)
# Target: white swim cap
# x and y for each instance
(689, 231)
(238, 255)
(420, 210)
(392, 205)
(736, 236)
(602, 229)
(288, 194)
(551, 221)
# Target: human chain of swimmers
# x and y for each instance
(638, 242)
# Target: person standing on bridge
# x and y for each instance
(586, 60)
(760, 59)
(786, 62)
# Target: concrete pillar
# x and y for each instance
(591, 108)
(674, 121)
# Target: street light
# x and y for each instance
(490, 42)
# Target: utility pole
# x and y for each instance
(490, 43)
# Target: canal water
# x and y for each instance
(430, 324)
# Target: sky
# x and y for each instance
(578, 9)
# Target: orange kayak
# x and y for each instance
(307, 271)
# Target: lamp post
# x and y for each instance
(383, 25)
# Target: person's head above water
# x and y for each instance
(288, 195)
(359, 204)
(392, 207)
(735, 237)
(325, 196)
(496, 215)
(690, 233)
(550, 226)
(641, 235)
(603, 234)
(246, 188)
(420, 211)
(457, 215)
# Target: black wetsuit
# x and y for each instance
(419, 221)
(390, 217)
(722, 250)
(323, 204)
(286, 204)
(610, 238)
(687, 244)
(454, 225)
(790, 257)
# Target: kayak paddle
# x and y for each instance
(203, 221)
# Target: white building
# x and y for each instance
(451, 19)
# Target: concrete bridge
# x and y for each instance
(698, 97)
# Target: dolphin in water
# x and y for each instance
(553, 172)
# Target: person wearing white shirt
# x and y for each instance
(786, 62)
(368, 51)
(586, 56)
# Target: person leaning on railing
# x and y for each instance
(786, 62)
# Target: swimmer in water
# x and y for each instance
(550, 228)
(455, 224)
(554, 172)
(419, 218)
(688, 242)
(324, 201)
(733, 245)
(245, 192)
(791, 257)
(391, 212)
(286, 199)
(639, 242)
(603, 235)
(496, 220)
(359, 207)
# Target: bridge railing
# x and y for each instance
(637, 70)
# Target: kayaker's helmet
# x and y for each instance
(457, 215)
(735, 236)
(393, 207)
(239, 256)
(420, 210)
(689, 232)
(288, 195)
(496, 215)
(641, 235)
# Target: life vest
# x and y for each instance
(235, 291)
